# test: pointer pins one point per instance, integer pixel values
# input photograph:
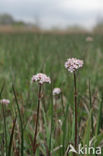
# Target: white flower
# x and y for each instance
(41, 78)
(5, 101)
(60, 122)
(73, 64)
(56, 91)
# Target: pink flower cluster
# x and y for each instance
(4, 101)
(89, 39)
(41, 78)
(56, 91)
(73, 64)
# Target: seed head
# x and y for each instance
(73, 64)
(41, 78)
(56, 91)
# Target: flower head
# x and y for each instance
(5, 101)
(73, 64)
(56, 91)
(41, 78)
(89, 39)
(60, 122)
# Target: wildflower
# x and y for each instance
(73, 64)
(60, 122)
(41, 78)
(5, 101)
(89, 39)
(56, 91)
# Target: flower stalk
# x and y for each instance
(76, 114)
(5, 130)
(37, 120)
(72, 65)
(4, 103)
(41, 79)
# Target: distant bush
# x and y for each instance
(6, 19)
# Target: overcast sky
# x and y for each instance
(55, 12)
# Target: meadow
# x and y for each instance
(24, 54)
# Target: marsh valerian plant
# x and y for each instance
(72, 65)
(41, 79)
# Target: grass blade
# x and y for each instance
(21, 123)
(87, 132)
(99, 117)
(64, 127)
(5, 130)
(11, 137)
(2, 88)
(90, 101)
(51, 119)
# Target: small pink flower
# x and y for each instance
(41, 78)
(89, 39)
(73, 64)
(56, 91)
(5, 101)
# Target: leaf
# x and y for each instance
(11, 138)
(99, 118)
(87, 132)
(99, 138)
(21, 123)
(64, 126)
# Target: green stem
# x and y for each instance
(21, 123)
(5, 131)
(75, 101)
(62, 102)
(37, 121)
(52, 126)
(90, 99)
(11, 137)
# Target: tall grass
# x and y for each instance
(22, 55)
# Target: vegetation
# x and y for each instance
(26, 54)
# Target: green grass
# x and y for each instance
(21, 56)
